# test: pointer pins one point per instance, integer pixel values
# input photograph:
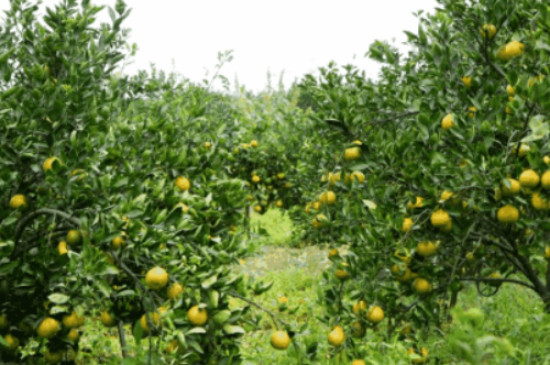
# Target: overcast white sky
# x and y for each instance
(290, 36)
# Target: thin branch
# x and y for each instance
(496, 281)
(273, 316)
(122, 339)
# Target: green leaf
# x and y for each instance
(58, 298)
(233, 330)
(209, 282)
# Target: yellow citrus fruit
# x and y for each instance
(508, 214)
(529, 178)
(154, 318)
(470, 256)
(423, 355)
(357, 142)
(467, 80)
(107, 319)
(182, 183)
(333, 253)
(4, 323)
(336, 337)
(352, 153)
(48, 163)
(54, 357)
(319, 220)
(174, 291)
(440, 218)
(48, 328)
(407, 224)
(422, 286)
(539, 203)
(510, 90)
(341, 274)
(12, 341)
(328, 197)
(72, 320)
(280, 340)
(258, 208)
(207, 145)
(197, 316)
(511, 50)
(375, 314)
(446, 195)
(174, 346)
(510, 187)
(547, 252)
(419, 203)
(282, 299)
(156, 278)
(73, 335)
(472, 111)
(488, 31)
(279, 203)
(256, 179)
(62, 248)
(18, 201)
(545, 180)
(73, 237)
(447, 122)
(358, 362)
(117, 242)
(359, 307)
(426, 249)
(281, 175)
(254, 143)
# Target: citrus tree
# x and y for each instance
(452, 142)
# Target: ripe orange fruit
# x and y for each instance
(336, 337)
(48, 328)
(447, 122)
(197, 316)
(18, 201)
(107, 319)
(440, 218)
(73, 237)
(280, 340)
(352, 153)
(375, 314)
(182, 183)
(156, 278)
(508, 214)
(174, 291)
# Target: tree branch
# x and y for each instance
(273, 316)
(495, 280)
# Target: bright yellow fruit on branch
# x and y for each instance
(282, 299)
(256, 179)
(508, 214)
(12, 341)
(156, 278)
(472, 111)
(510, 50)
(73, 237)
(510, 187)
(319, 220)
(352, 153)
(197, 316)
(529, 178)
(341, 274)
(328, 197)
(422, 286)
(440, 218)
(423, 355)
(258, 208)
(48, 328)
(107, 319)
(182, 183)
(407, 224)
(359, 307)
(336, 337)
(174, 291)
(280, 340)
(419, 203)
(73, 335)
(117, 242)
(154, 318)
(545, 180)
(539, 203)
(447, 122)
(62, 248)
(18, 201)
(279, 203)
(467, 80)
(72, 320)
(547, 252)
(445, 195)
(333, 253)
(358, 362)
(426, 249)
(510, 90)
(254, 143)
(375, 314)
(207, 145)
(48, 163)
(488, 31)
